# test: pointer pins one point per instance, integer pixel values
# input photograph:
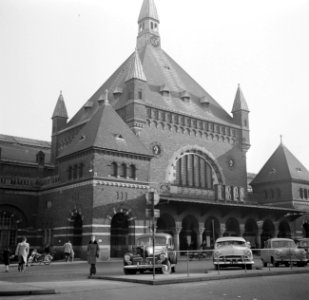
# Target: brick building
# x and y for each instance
(149, 126)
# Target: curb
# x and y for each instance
(198, 278)
(28, 292)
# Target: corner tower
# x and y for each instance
(240, 113)
(148, 25)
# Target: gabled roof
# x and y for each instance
(148, 10)
(60, 108)
(23, 150)
(160, 69)
(106, 130)
(240, 102)
(281, 166)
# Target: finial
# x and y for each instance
(281, 139)
(60, 92)
(238, 84)
(106, 97)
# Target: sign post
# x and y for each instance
(152, 199)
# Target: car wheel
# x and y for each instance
(173, 269)
(166, 269)
(274, 263)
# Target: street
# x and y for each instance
(70, 281)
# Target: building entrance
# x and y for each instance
(119, 235)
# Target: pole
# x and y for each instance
(153, 239)
(213, 230)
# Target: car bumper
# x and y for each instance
(143, 267)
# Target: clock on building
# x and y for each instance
(155, 41)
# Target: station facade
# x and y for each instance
(150, 126)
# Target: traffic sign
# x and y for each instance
(152, 213)
(152, 198)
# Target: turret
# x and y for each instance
(135, 86)
(240, 113)
(148, 25)
(59, 122)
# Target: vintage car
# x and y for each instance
(304, 244)
(141, 258)
(282, 251)
(231, 252)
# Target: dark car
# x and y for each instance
(304, 244)
(142, 257)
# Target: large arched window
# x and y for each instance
(192, 170)
(114, 169)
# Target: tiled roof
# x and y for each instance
(106, 130)
(22, 150)
(136, 69)
(281, 166)
(240, 102)
(60, 109)
(148, 10)
(160, 69)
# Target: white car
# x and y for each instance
(232, 251)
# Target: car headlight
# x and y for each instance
(216, 254)
(277, 253)
(127, 258)
(248, 253)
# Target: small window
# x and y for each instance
(114, 169)
(151, 25)
(75, 171)
(305, 194)
(81, 170)
(70, 173)
(132, 173)
(265, 195)
(123, 170)
(140, 95)
(301, 193)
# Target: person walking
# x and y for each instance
(22, 252)
(6, 258)
(93, 251)
(68, 251)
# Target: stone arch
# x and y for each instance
(11, 219)
(251, 232)
(212, 231)
(268, 231)
(122, 230)
(170, 174)
(284, 229)
(189, 233)
(166, 224)
(232, 227)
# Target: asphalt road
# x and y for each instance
(70, 281)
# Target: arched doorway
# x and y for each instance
(232, 227)
(268, 231)
(166, 224)
(251, 233)
(284, 230)
(119, 234)
(11, 220)
(306, 229)
(188, 234)
(211, 232)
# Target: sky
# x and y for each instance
(73, 46)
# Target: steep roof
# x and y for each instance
(240, 102)
(135, 68)
(60, 108)
(106, 130)
(160, 69)
(148, 10)
(23, 150)
(281, 166)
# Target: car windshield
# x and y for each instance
(147, 241)
(231, 243)
(283, 244)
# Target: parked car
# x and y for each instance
(231, 252)
(141, 258)
(282, 251)
(304, 244)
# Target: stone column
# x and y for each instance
(222, 229)
(259, 234)
(241, 229)
(178, 229)
(200, 236)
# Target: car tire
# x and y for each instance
(167, 269)
(264, 264)
(173, 269)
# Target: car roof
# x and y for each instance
(230, 238)
(280, 239)
(166, 235)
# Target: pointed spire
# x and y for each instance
(136, 70)
(281, 142)
(60, 108)
(148, 10)
(240, 102)
(104, 98)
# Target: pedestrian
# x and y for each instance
(22, 252)
(6, 258)
(68, 251)
(93, 251)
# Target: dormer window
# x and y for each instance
(185, 96)
(40, 158)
